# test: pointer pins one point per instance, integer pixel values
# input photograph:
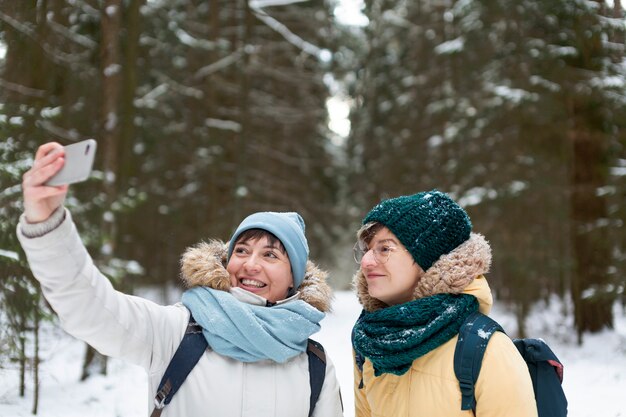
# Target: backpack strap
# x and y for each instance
(317, 371)
(360, 360)
(192, 348)
(187, 355)
(474, 335)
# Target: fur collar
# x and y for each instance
(450, 274)
(205, 265)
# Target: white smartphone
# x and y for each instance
(78, 163)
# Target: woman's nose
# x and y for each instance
(368, 260)
(252, 264)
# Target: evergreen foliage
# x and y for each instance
(516, 109)
(206, 111)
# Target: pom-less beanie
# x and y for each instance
(429, 224)
(289, 228)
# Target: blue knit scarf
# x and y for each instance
(251, 333)
(393, 337)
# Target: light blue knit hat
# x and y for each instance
(289, 228)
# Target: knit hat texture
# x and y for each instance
(429, 224)
(289, 228)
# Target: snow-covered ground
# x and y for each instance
(595, 373)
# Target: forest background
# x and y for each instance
(206, 111)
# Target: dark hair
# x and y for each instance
(256, 234)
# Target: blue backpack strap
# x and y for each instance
(474, 335)
(187, 355)
(317, 371)
(192, 348)
(360, 360)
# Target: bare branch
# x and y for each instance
(70, 135)
(21, 89)
(56, 56)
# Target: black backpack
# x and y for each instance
(546, 371)
(192, 347)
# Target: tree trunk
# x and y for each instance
(127, 169)
(111, 71)
(22, 363)
(109, 131)
(244, 113)
(592, 292)
(36, 365)
(589, 229)
(90, 356)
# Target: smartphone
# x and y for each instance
(78, 163)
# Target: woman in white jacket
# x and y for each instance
(257, 298)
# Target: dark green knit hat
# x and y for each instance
(429, 224)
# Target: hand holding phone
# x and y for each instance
(79, 159)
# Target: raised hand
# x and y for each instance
(40, 200)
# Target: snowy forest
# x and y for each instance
(206, 111)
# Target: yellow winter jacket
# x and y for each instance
(430, 388)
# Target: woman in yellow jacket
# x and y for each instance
(421, 274)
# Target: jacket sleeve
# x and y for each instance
(90, 309)
(361, 406)
(329, 403)
(504, 387)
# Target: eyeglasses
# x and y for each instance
(382, 251)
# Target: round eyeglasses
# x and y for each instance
(382, 251)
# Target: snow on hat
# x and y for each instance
(289, 228)
(429, 224)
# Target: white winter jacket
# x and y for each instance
(148, 334)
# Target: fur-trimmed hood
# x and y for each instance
(205, 265)
(451, 273)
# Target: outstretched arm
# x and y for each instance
(89, 308)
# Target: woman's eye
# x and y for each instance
(384, 249)
(240, 251)
(271, 255)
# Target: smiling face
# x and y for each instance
(261, 265)
(391, 273)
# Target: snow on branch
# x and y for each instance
(289, 36)
(223, 124)
(220, 64)
(187, 39)
(178, 87)
(9, 254)
(18, 26)
(70, 135)
(615, 23)
(72, 36)
(86, 8)
(451, 46)
(259, 4)
(56, 56)
(149, 99)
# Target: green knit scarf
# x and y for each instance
(393, 337)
